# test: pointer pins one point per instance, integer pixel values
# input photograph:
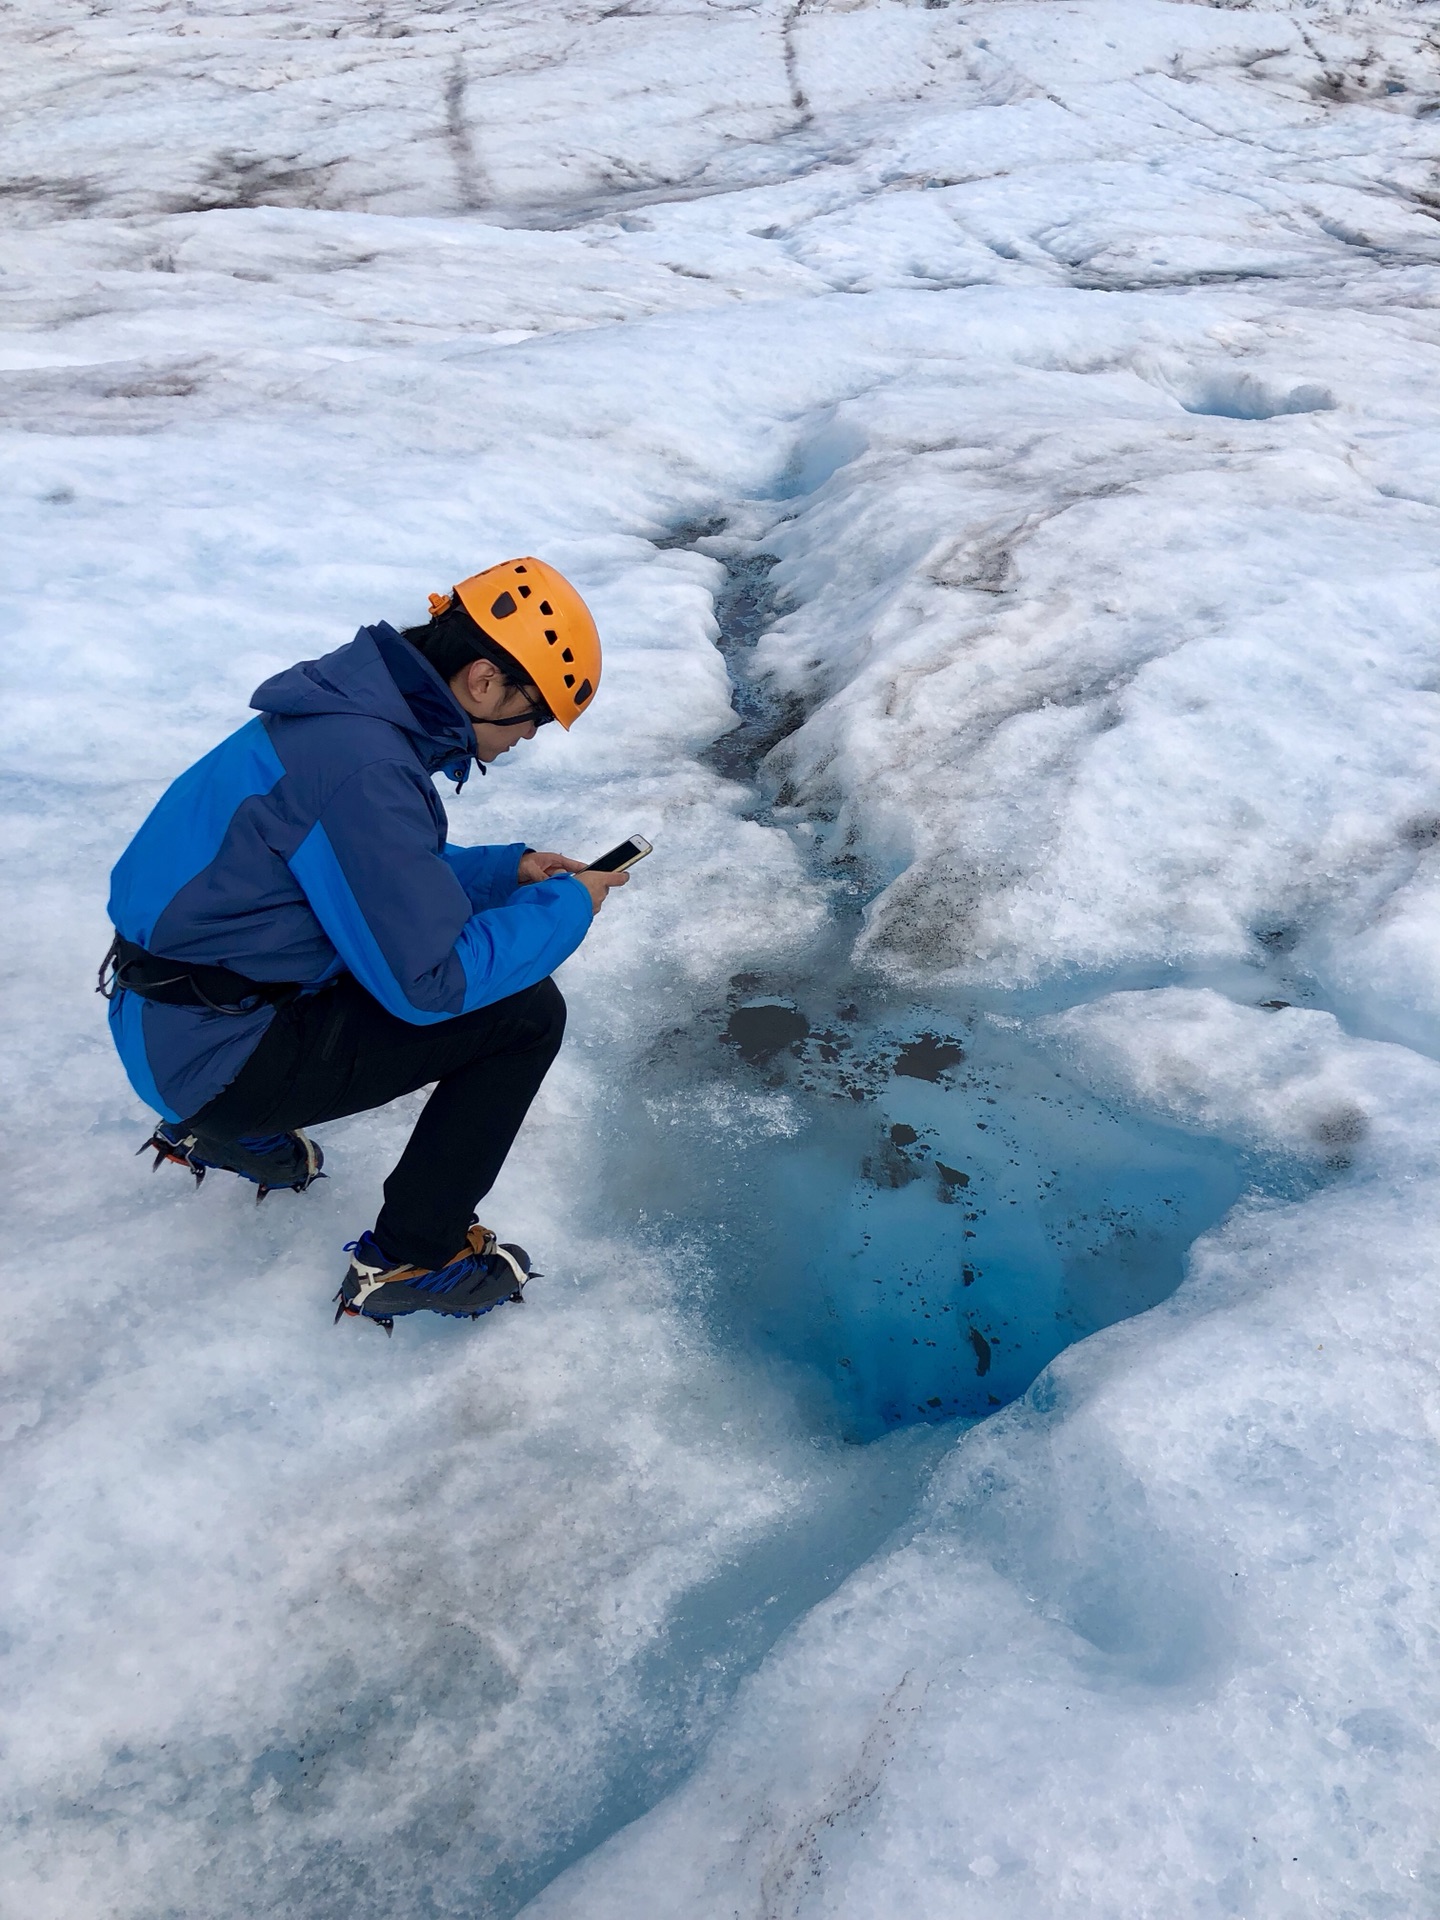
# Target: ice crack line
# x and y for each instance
(469, 174)
(792, 62)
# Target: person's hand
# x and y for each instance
(544, 866)
(597, 885)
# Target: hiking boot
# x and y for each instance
(269, 1159)
(479, 1277)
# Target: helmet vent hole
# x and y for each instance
(524, 593)
(545, 606)
(582, 692)
(567, 656)
(503, 606)
(551, 635)
(522, 569)
(569, 679)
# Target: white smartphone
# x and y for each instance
(621, 857)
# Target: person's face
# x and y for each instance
(490, 701)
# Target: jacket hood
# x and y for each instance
(379, 676)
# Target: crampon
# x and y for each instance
(482, 1275)
(270, 1160)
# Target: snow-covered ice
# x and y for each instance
(1065, 381)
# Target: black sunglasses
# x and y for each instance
(539, 713)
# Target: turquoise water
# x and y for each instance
(909, 1210)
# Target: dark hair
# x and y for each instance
(452, 640)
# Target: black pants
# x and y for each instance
(340, 1052)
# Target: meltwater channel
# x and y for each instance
(905, 1206)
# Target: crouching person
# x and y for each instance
(296, 940)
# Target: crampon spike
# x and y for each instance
(166, 1152)
(296, 1186)
(343, 1310)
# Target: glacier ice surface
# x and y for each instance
(1076, 367)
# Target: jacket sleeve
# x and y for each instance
(488, 874)
(373, 868)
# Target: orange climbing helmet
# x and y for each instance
(539, 619)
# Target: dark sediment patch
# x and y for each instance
(759, 1033)
(927, 1057)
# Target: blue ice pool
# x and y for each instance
(911, 1210)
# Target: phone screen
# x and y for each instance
(625, 855)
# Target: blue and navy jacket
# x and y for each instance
(313, 843)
